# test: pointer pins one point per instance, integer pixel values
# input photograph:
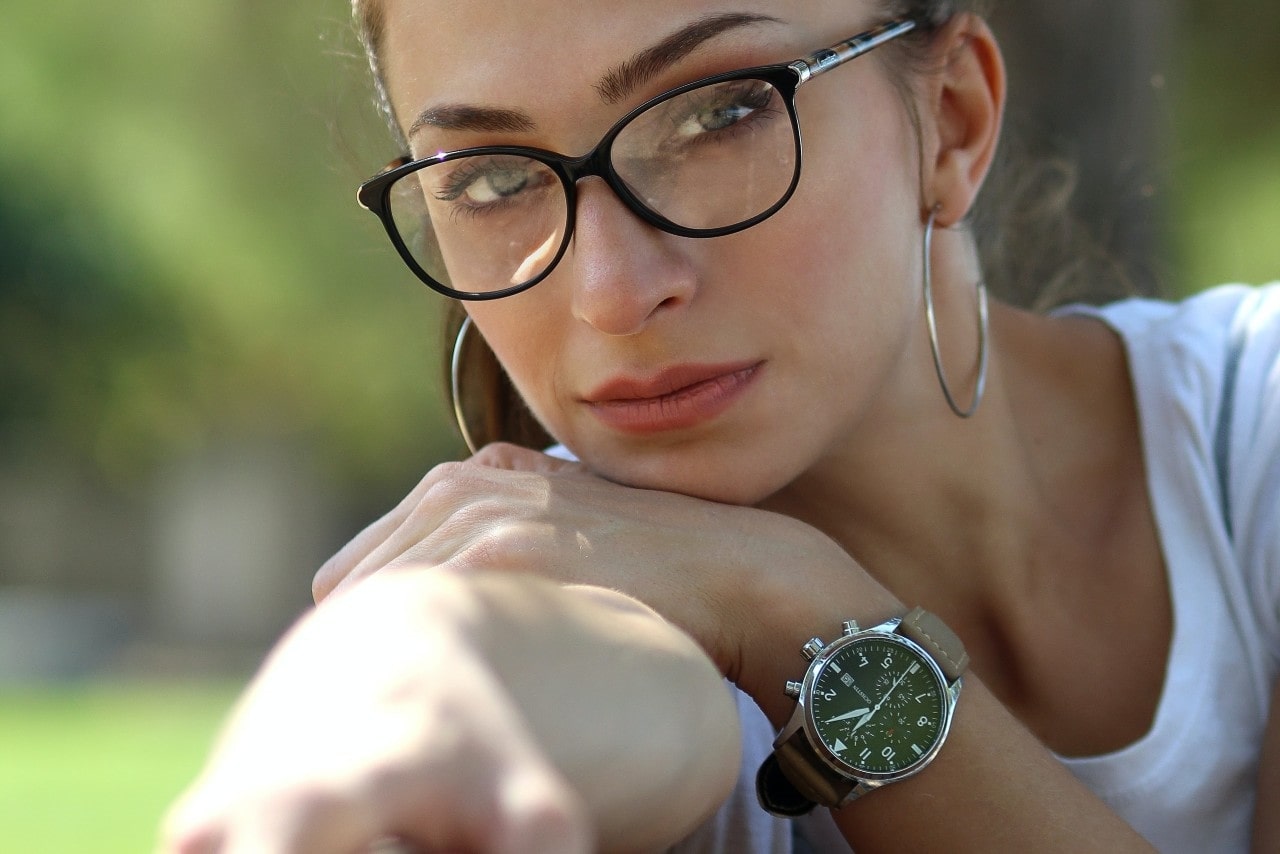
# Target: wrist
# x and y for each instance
(805, 586)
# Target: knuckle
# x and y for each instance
(184, 831)
(508, 546)
(455, 483)
(553, 820)
(446, 475)
(492, 551)
(495, 453)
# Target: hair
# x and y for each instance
(1033, 251)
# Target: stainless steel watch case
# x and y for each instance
(802, 721)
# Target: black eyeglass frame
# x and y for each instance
(374, 194)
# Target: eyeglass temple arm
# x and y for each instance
(824, 60)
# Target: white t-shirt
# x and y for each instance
(1207, 377)
(1206, 373)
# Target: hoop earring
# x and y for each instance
(931, 319)
(455, 383)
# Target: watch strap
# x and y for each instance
(938, 640)
(777, 794)
(812, 777)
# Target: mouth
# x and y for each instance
(678, 398)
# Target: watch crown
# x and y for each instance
(812, 647)
(792, 690)
(850, 627)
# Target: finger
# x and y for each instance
(186, 831)
(478, 517)
(338, 567)
(531, 811)
(485, 784)
(313, 822)
(540, 815)
(503, 455)
(341, 569)
(298, 817)
(447, 521)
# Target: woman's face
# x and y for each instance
(722, 367)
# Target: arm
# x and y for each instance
(482, 713)
(992, 788)
(751, 587)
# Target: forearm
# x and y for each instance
(625, 705)
(468, 712)
(993, 786)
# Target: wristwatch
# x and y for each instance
(874, 708)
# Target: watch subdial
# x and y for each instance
(894, 738)
(896, 699)
(860, 736)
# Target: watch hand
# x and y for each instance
(847, 715)
(892, 688)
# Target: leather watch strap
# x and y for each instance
(777, 794)
(942, 643)
(814, 779)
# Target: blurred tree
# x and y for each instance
(1226, 186)
(182, 261)
(1088, 84)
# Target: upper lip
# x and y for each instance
(664, 382)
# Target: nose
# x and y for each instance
(626, 272)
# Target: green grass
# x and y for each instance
(92, 769)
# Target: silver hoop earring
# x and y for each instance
(932, 321)
(455, 384)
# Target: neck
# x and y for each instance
(968, 516)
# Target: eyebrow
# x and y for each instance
(621, 81)
(616, 84)
(466, 117)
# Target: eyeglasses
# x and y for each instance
(705, 159)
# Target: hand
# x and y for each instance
(748, 585)
(714, 570)
(404, 710)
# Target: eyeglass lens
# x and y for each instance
(705, 159)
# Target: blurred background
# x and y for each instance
(213, 371)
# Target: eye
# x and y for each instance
(481, 182)
(724, 107)
(498, 184)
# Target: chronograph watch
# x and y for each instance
(874, 707)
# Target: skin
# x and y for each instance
(1056, 429)
(341, 741)
(839, 485)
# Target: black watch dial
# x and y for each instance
(879, 705)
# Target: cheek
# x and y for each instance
(835, 268)
(527, 333)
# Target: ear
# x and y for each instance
(965, 98)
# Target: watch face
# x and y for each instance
(878, 705)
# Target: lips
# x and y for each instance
(677, 398)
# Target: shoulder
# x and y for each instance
(1209, 370)
(1189, 358)
(1206, 375)
(1205, 330)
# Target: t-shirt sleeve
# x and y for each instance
(740, 825)
(1252, 454)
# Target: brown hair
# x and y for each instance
(1033, 252)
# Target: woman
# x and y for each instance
(793, 407)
